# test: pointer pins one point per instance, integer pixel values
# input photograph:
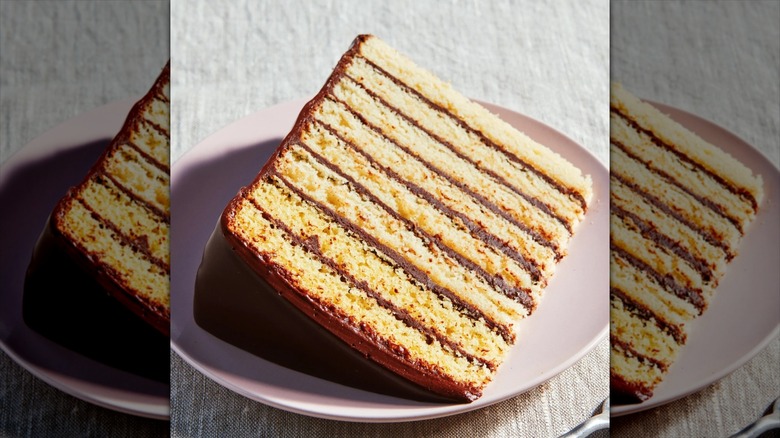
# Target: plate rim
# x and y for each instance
(209, 373)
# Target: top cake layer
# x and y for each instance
(409, 221)
(116, 221)
(679, 208)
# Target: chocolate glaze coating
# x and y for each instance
(65, 300)
(622, 392)
(256, 313)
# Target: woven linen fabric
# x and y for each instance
(547, 61)
(720, 61)
(59, 59)
(202, 408)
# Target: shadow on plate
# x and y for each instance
(29, 194)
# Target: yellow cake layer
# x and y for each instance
(662, 261)
(465, 142)
(139, 176)
(326, 286)
(646, 290)
(699, 183)
(335, 116)
(152, 142)
(450, 230)
(331, 190)
(148, 280)
(688, 143)
(632, 369)
(504, 135)
(447, 162)
(158, 109)
(644, 336)
(362, 262)
(130, 218)
(714, 257)
(677, 200)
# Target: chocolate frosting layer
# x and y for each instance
(745, 194)
(667, 281)
(476, 230)
(655, 201)
(248, 302)
(465, 125)
(716, 208)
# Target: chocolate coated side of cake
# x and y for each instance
(236, 304)
(66, 300)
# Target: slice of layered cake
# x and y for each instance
(679, 207)
(99, 277)
(399, 229)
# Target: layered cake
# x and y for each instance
(679, 207)
(398, 234)
(98, 281)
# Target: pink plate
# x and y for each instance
(572, 318)
(743, 317)
(31, 182)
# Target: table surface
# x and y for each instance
(550, 62)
